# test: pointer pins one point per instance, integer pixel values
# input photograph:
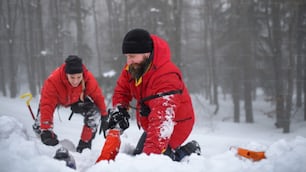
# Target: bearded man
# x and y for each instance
(164, 108)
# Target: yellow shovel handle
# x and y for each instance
(27, 95)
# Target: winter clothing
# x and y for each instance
(139, 147)
(137, 41)
(118, 117)
(175, 154)
(49, 138)
(111, 146)
(58, 91)
(170, 118)
(183, 151)
(83, 145)
(73, 65)
(104, 125)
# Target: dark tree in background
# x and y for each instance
(27, 37)
(2, 61)
(41, 49)
(10, 19)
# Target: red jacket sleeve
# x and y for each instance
(48, 103)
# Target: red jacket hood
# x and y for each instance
(161, 51)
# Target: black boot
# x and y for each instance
(140, 144)
(186, 150)
(172, 154)
(49, 138)
(83, 145)
(191, 147)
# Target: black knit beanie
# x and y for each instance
(137, 41)
(73, 65)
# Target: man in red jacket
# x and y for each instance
(73, 85)
(164, 108)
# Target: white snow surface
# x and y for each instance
(21, 150)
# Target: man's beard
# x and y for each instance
(137, 70)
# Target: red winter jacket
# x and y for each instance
(171, 119)
(58, 91)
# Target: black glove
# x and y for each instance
(104, 125)
(49, 138)
(82, 106)
(116, 117)
(119, 117)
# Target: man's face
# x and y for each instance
(75, 79)
(137, 63)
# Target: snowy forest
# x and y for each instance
(223, 47)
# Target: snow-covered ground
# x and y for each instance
(20, 150)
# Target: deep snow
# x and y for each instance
(20, 150)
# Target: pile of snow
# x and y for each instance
(21, 150)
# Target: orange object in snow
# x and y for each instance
(256, 156)
(111, 145)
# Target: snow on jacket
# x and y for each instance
(58, 91)
(171, 118)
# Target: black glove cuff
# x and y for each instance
(119, 117)
(83, 106)
(104, 126)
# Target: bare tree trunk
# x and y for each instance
(236, 98)
(11, 19)
(213, 57)
(299, 46)
(206, 15)
(29, 65)
(247, 53)
(33, 59)
(79, 27)
(277, 63)
(2, 75)
(301, 53)
(176, 31)
(13, 70)
(114, 13)
(236, 85)
(304, 88)
(97, 42)
(56, 36)
(109, 5)
(2, 65)
(301, 34)
(214, 77)
(248, 100)
(41, 43)
(293, 25)
(289, 94)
